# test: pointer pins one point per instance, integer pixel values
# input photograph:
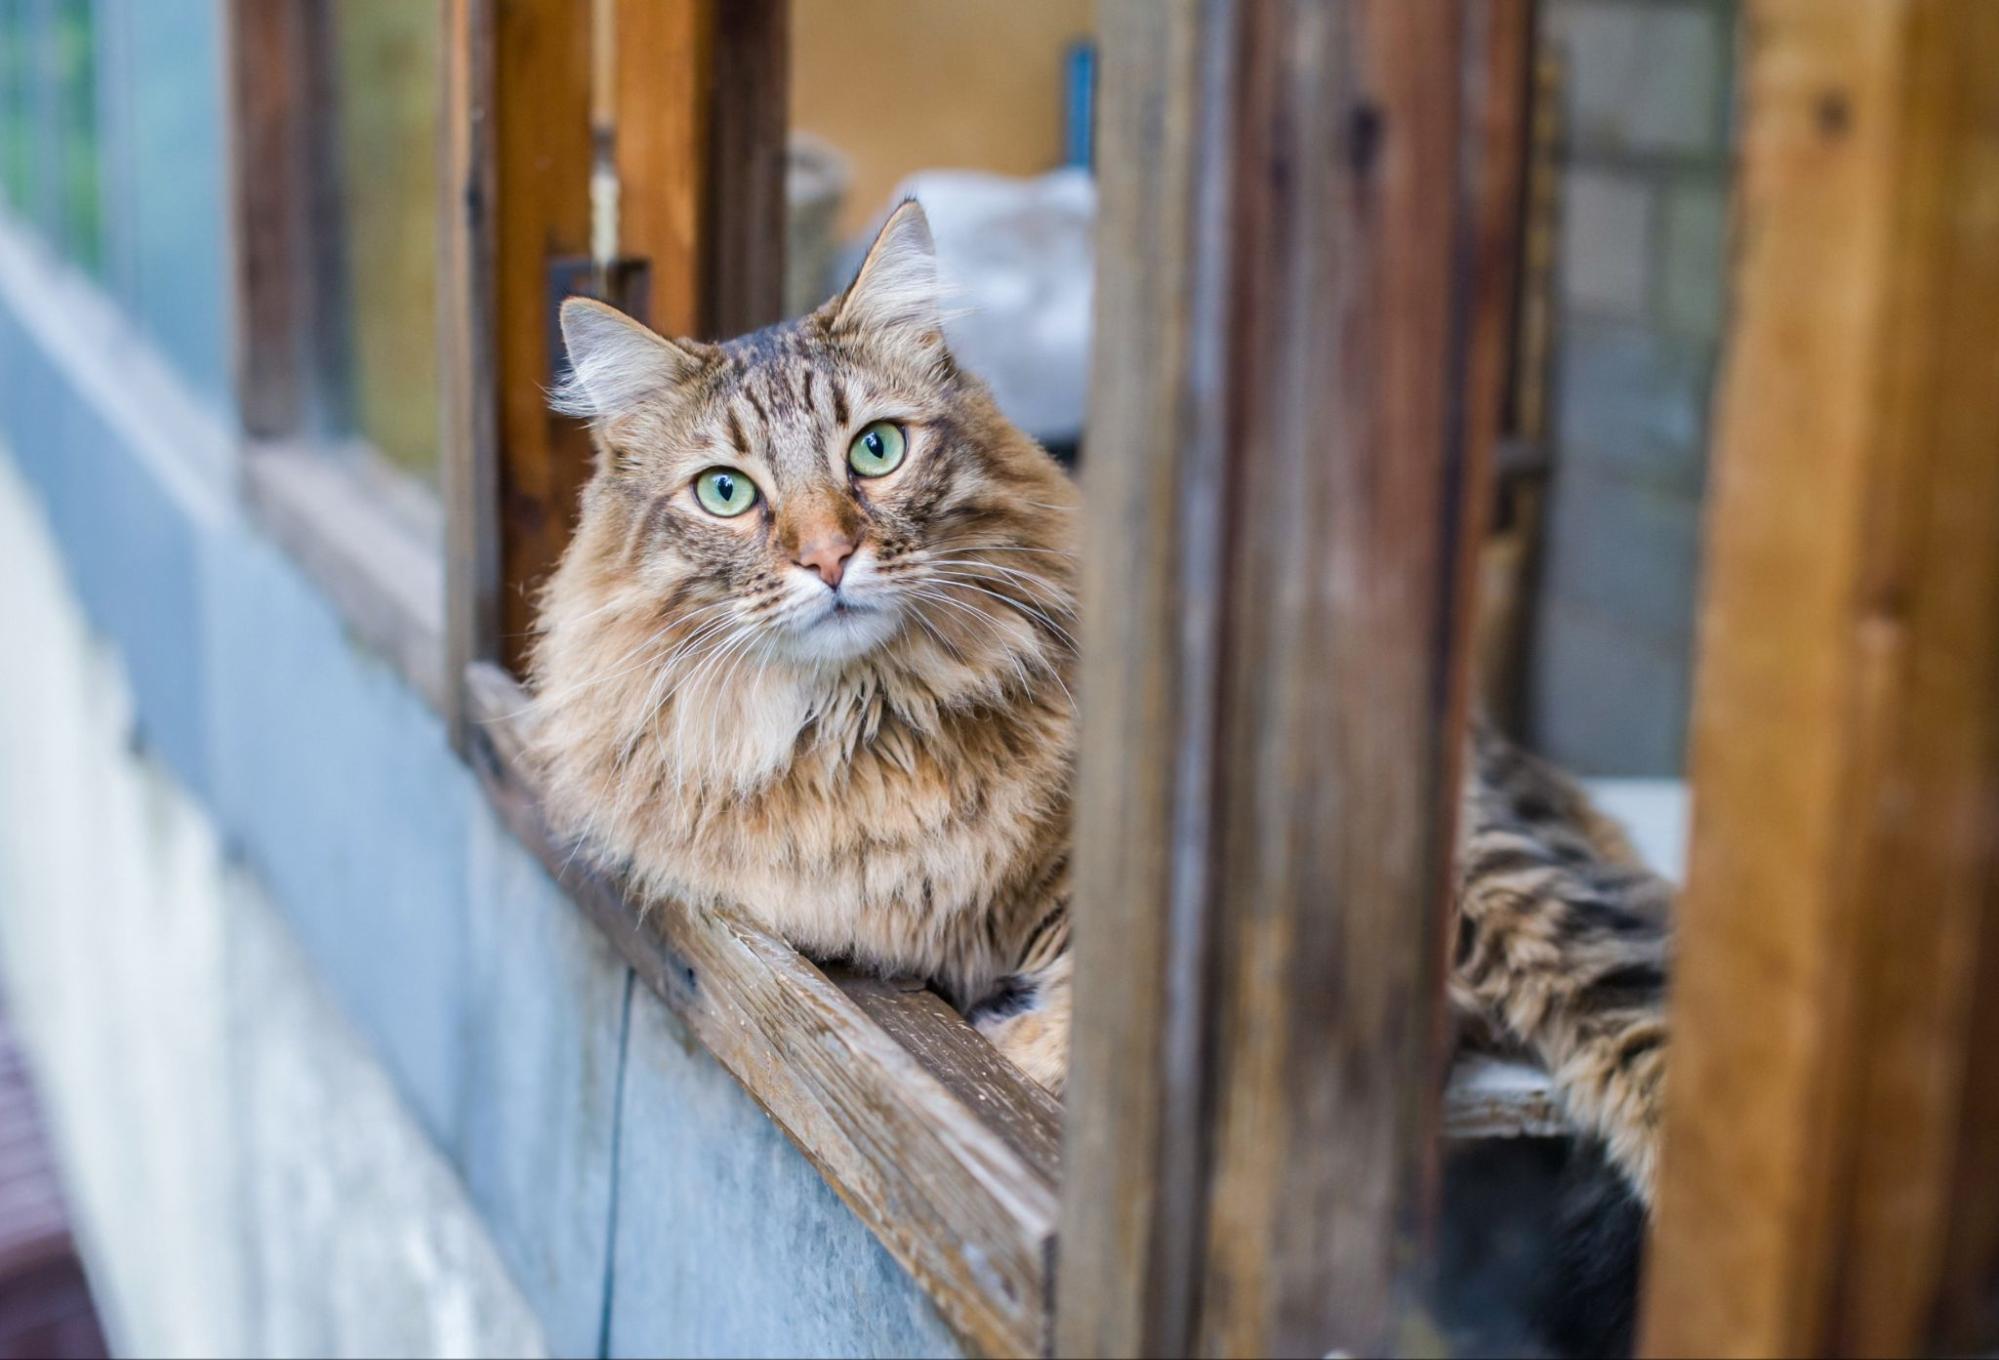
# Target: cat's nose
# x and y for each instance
(827, 554)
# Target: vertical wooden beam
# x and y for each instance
(663, 128)
(1499, 56)
(699, 147)
(1273, 603)
(750, 86)
(541, 149)
(468, 368)
(1829, 1179)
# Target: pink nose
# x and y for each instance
(826, 554)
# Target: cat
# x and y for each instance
(810, 656)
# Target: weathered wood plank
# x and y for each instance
(1273, 600)
(942, 1153)
(1133, 1135)
(1829, 1178)
(1493, 1098)
(1018, 1109)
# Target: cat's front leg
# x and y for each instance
(1564, 949)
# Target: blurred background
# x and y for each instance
(303, 1052)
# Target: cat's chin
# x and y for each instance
(845, 633)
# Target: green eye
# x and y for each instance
(877, 450)
(724, 492)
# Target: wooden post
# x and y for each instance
(750, 84)
(1831, 1171)
(699, 126)
(1272, 605)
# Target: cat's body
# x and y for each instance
(845, 710)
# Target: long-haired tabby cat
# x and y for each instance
(810, 656)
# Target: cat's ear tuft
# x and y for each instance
(897, 290)
(615, 363)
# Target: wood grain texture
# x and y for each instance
(468, 358)
(541, 176)
(663, 127)
(699, 146)
(1829, 1179)
(1273, 598)
(941, 1151)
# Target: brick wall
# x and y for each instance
(1644, 181)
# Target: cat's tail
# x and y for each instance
(1563, 946)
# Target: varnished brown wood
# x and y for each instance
(749, 78)
(541, 176)
(699, 147)
(468, 369)
(941, 1150)
(1272, 602)
(1829, 1177)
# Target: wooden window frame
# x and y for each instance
(369, 535)
(942, 1149)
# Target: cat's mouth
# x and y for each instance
(843, 628)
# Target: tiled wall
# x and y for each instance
(1643, 187)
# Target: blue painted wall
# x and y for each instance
(586, 1131)
(499, 1011)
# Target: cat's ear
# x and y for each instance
(615, 363)
(897, 290)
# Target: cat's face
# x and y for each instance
(816, 493)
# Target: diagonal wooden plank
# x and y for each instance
(940, 1151)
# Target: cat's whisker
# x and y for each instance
(1058, 598)
(741, 637)
(649, 640)
(966, 583)
(1069, 553)
(666, 670)
(1010, 653)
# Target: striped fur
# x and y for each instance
(892, 786)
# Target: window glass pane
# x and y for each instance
(71, 45)
(164, 153)
(385, 62)
(15, 137)
(981, 110)
(49, 163)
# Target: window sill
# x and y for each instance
(946, 1152)
(360, 534)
